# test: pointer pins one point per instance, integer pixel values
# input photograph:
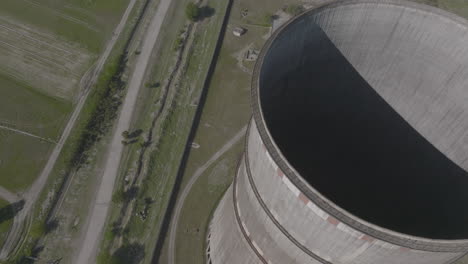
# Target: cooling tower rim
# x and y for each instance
(377, 232)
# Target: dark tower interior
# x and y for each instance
(351, 145)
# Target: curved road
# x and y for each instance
(188, 187)
(33, 193)
(95, 223)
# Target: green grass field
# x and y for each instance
(85, 22)
(81, 192)
(199, 206)
(26, 109)
(46, 46)
(21, 159)
(459, 7)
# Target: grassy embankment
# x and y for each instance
(170, 131)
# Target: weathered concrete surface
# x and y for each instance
(357, 150)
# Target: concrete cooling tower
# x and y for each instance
(357, 152)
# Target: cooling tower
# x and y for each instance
(358, 147)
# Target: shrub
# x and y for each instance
(129, 254)
(192, 11)
(268, 19)
(37, 230)
(118, 196)
(178, 43)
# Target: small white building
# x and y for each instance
(239, 31)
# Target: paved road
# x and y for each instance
(8, 196)
(33, 193)
(188, 187)
(93, 231)
(25, 133)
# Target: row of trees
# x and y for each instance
(9, 211)
(103, 113)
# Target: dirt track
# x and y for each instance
(25, 133)
(93, 231)
(7, 195)
(33, 193)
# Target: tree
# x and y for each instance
(9, 211)
(129, 254)
(125, 134)
(51, 225)
(192, 11)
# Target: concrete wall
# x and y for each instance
(415, 59)
(276, 223)
(346, 141)
(272, 215)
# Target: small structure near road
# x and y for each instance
(251, 54)
(244, 12)
(239, 31)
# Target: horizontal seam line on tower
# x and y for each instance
(238, 220)
(267, 211)
(389, 238)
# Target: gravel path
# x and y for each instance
(25, 133)
(33, 193)
(8, 196)
(188, 187)
(93, 231)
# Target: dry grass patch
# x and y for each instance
(40, 59)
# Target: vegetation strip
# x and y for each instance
(175, 189)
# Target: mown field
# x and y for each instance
(46, 47)
(24, 108)
(84, 22)
(21, 159)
